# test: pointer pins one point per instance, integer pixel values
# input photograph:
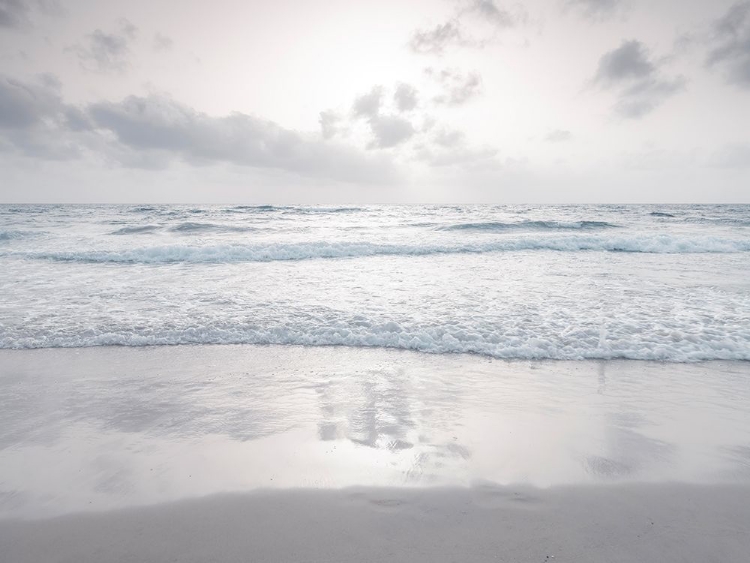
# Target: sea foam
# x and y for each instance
(656, 244)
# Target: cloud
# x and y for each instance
(23, 105)
(447, 147)
(387, 130)
(437, 39)
(329, 121)
(14, 14)
(107, 52)
(34, 121)
(458, 88)
(160, 124)
(638, 80)
(597, 10)
(152, 131)
(405, 97)
(368, 105)
(482, 16)
(448, 138)
(731, 45)
(390, 130)
(162, 42)
(494, 14)
(558, 136)
(628, 61)
(646, 95)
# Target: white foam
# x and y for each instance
(506, 340)
(652, 244)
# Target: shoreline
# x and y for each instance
(365, 348)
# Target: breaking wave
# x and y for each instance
(533, 342)
(15, 235)
(136, 230)
(231, 253)
(191, 227)
(529, 225)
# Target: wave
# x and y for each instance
(17, 234)
(252, 208)
(660, 214)
(446, 339)
(655, 244)
(292, 209)
(136, 230)
(729, 221)
(314, 210)
(142, 209)
(529, 225)
(192, 227)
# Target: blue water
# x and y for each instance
(668, 283)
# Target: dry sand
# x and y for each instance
(626, 523)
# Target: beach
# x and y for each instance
(290, 453)
(374, 383)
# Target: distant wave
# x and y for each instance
(730, 221)
(192, 227)
(313, 210)
(291, 209)
(658, 244)
(529, 225)
(142, 209)
(660, 214)
(136, 230)
(17, 234)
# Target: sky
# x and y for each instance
(426, 101)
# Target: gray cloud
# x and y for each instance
(629, 61)
(731, 45)
(160, 124)
(448, 138)
(24, 105)
(405, 97)
(162, 42)
(329, 121)
(558, 136)
(638, 80)
(105, 52)
(447, 147)
(437, 39)
(390, 130)
(34, 119)
(368, 105)
(646, 95)
(493, 14)
(458, 88)
(14, 14)
(596, 9)
(150, 132)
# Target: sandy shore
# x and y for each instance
(626, 523)
(244, 453)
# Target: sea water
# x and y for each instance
(667, 283)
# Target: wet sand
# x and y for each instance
(333, 454)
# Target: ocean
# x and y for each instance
(665, 283)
